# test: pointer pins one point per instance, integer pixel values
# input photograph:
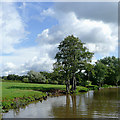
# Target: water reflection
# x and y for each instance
(103, 103)
(93, 104)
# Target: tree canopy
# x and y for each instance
(72, 57)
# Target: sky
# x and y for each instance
(32, 31)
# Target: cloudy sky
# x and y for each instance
(31, 32)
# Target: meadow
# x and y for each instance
(15, 95)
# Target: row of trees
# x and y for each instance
(73, 67)
(106, 71)
(73, 58)
(100, 73)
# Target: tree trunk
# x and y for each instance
(74, 83)
(68, 86)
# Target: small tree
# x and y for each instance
(72, 56)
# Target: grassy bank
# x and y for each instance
(15, 95)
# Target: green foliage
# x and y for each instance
(112, 70)
(92, 87)
(81, 89)
(106, 86)
(36, 77)
(89, 82)
(58, 73)
(106, 71)
(71, 58)
(100, 73)
(26, 80)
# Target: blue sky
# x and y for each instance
(32, 31)
(35, 22)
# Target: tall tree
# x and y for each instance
(72, 56)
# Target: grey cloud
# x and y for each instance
(94, 33)
(39, 64)
(105, 11)
(94, 36)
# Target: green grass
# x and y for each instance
(11, 90)
(20, 94)
(15, 95)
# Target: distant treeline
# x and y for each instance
(73, 67)
(104, 71)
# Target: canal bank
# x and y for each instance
(16, 95)
(92, 104)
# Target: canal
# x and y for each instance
(93, 104)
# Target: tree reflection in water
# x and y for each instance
(104, 103)
(98, 104)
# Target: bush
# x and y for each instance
(26, 80)
(81, 89)
(106, 86)
(92, 87)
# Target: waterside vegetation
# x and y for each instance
(15, 95)
(72, 73)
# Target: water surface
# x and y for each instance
(93, 104)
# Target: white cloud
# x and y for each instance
(48, 12)
(25, 59)
(12, 28)
(40, 64)
(97, 35)
(8, 68)
(36, 64)
(100, 37)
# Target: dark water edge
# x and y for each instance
(93, 104)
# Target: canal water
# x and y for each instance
(93, 104)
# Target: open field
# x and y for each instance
(19, 94)
(11, 90)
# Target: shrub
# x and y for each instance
(92, 87)
(81, 89)
(106, 86)
(26, 80)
